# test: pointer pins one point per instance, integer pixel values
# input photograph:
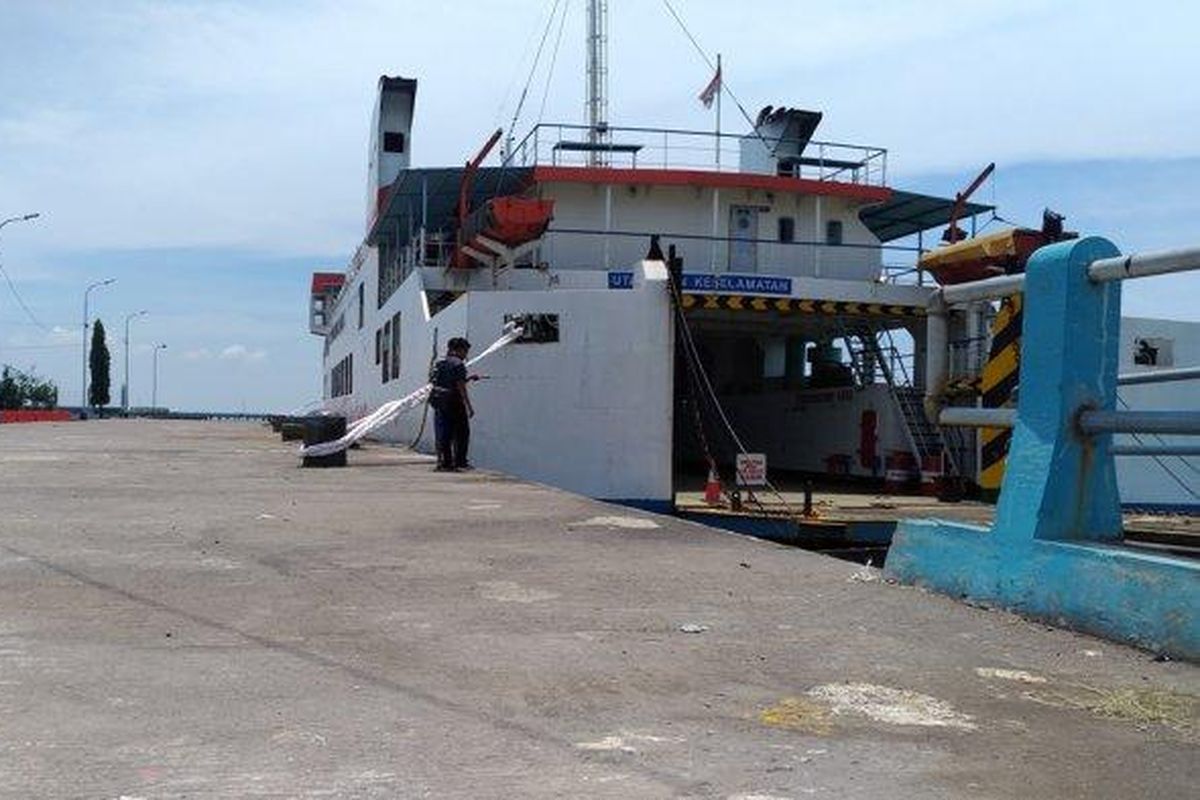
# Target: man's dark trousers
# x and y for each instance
(460, 433)
(441, 434)
(452, 429)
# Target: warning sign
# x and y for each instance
(751, 469)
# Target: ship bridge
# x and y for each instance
(744, 204)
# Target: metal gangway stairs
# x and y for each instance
(867, 355)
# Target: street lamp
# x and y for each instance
(125, 398)
(83, 402)
(22, 218)
(154, 393)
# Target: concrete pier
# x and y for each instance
(185, 612)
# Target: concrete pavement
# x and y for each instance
(186, 613)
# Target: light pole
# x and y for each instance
(22, 218)
(125, 393)
(83, 401)
(154, 392)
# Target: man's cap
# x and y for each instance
(458, 343)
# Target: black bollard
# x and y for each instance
(319, 429)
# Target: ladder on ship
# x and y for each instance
(868, 355)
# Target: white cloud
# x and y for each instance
(239, 127)
(239, 352)
(244, 124)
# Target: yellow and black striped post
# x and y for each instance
(1001, 374)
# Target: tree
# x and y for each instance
(41, 393)
(10, 390)
(26, 390)
(99, 361)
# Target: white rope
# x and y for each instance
(394, 408)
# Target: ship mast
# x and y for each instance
(597, 80)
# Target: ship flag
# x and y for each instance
(710, 91)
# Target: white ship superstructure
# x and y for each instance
(812, 340)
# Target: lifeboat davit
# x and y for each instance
(498, 225)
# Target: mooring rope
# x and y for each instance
(394, 408)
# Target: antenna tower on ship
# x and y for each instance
(597, 79)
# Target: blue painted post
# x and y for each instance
(1059, 484)
(1054, 551)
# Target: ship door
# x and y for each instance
(743, 236)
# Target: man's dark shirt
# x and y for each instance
(447, 374)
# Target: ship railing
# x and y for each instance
(1088, 421)
(902, 274)
(622, 147)
(590, 248)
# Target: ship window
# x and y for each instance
(396, 345)
(787, 229)
(1153, 352)
(341, 377)
(833, 231)
(378, 342)
(361, 295)
(393, 142)
(386, 372)
(537, 328)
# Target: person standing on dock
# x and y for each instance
(452, 409)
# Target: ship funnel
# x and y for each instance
(391, 138)
(778, 141)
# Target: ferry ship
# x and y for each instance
(683, 296)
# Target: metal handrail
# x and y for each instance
(1098, 421)
(830, 157)
(1143, 265)
(1159, 376)
(1155, 450)
(1099, 271)
(705, 237)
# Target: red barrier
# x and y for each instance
(35, 415)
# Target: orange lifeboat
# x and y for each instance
(510, 220)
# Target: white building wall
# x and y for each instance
(591, 413)
(688, 210)
(799, 430)
(352, 339)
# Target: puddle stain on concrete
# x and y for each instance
(624, 742)
(1141, 706)
(1017, 675)
(1175, 710)
(629, 523)
(891, 706)
(512, 592)
(798, 714)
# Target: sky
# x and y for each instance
(210, 155)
